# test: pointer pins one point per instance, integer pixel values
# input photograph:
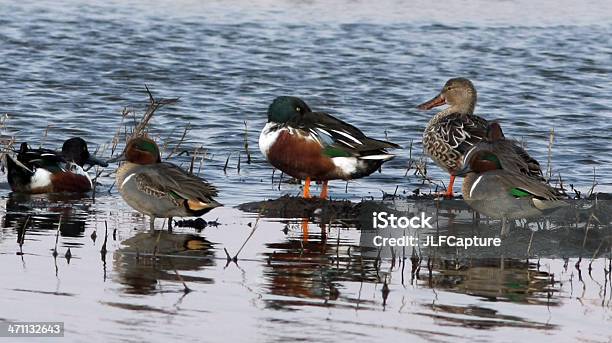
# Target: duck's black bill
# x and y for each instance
(93, 161)
(463, 172)
(117, 158)
(437, 101)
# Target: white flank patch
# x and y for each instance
(268, 136)
(126, 180)
(40, 179)
(382, 157)
(348, 165)
(348, 136)
(474, 185)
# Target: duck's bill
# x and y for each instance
(93, 161)
(117, 158)
(437, 101)
(463, 171)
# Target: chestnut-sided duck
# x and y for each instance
(48, 171)
(314, 146)
(160, 189)
(455, 130)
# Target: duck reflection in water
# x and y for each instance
(311, 265)
(501, 279)
(43, 212)
(150, 257)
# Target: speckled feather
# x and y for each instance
(448, 138)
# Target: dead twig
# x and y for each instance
(59, 225)
(246, 142)
(178, 145)
(551, 140)
(154, 105)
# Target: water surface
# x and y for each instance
(70, 68)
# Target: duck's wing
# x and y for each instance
(459, 132)
(41, 158)
(528, 165)
(512, 157)
(163, 179)
(339, 138)
(520, 186)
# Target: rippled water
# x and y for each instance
(74, 66)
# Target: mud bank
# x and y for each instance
(581, 229)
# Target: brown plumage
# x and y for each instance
(455, 131)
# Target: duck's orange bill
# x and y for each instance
(437, 101)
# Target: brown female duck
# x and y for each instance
(452, 132)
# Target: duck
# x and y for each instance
(498, 184)
(315, 146)
(160, 189)
(453, 131)
(37, 171)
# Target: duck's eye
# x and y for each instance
(298, 109)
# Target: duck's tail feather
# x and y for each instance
(548, 205)
(199, 206)
(18, 174)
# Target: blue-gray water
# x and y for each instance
(75, 65)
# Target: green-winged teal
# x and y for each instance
(160, 189)
(498, 183)
(455, 130)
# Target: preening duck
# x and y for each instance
(49, 171)
(316, 146)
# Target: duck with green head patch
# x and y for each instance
(498, 184)
(316, 146)
(161, 189)
(452, 132)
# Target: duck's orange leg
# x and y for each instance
(307, 188)
(305, 229)
(324, 191)
(449, 189)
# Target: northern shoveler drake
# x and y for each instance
(455, 130)
(499, 184)
(160, 189)
(49, 171)
(316, 146)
